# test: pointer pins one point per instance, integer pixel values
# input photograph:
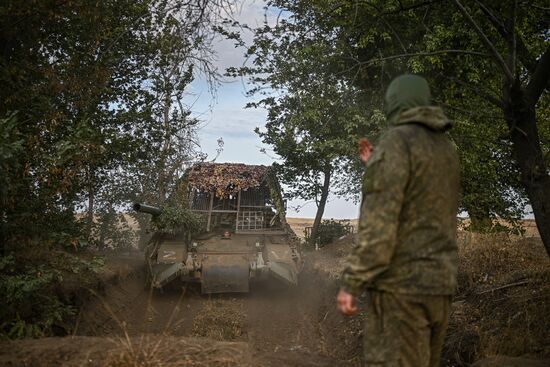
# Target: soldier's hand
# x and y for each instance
(365, 150)
(345, 303)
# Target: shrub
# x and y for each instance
(31, 307)
(330, 230)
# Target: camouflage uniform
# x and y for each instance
(406, 256)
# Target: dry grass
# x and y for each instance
(503, 302)
(144, 351)
(220, 319)
(170, 351)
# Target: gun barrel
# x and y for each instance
(144, 208)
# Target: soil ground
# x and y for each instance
(501, 309)
(277, 322)
(273, 325)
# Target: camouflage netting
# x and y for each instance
(175, 220)
(225, 178)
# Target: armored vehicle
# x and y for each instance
(244, 236)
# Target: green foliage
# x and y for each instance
(11, 150)
(315, 114)
(63, 70)
(181, 45)
(30, 305)
(91, 118)
(431, 39)
(37, 289)
(357, 48)
(175, 220)
(331, 230)
(490, 182)
(11, 142)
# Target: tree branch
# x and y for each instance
(523, 282)
(485, 40)
(476, 89)
(467, 111)
(427, 53)
(389, 26)
(394, 33)
(496, 22)
(540, 78)
(512, 39)
(540, 7)
(523, 53)
(416, 6)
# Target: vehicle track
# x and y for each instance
(295, 326)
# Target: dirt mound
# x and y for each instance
(330, 259)
(503, 299)
(124, 352)
(502, 303)
(221, 319)
(303, 321)
(501, 361)
(295, 359)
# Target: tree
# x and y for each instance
(314, 116)
(181, 46)
(91, 93)
(495, 51)
(63, 67)
(488, 64)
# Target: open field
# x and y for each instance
(299, 224)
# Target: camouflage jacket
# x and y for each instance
(407, 229)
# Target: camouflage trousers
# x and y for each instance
(404, 330)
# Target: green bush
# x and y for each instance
(31, 306)
(330, 230)
(174, 220)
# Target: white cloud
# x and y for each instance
(250, 13)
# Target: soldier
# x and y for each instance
(406, 256)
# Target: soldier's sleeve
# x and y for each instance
(384, 182)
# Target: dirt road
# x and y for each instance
(296, 325)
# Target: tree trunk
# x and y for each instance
(519, 113)
(102, 233)
(90, 214)
(163, 179)
(321, 206)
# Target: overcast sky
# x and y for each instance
(224, 116)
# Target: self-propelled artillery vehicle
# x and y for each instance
(244, 234)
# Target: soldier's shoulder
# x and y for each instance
(400, 135)
(406, 130)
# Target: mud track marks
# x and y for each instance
(282, 326)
